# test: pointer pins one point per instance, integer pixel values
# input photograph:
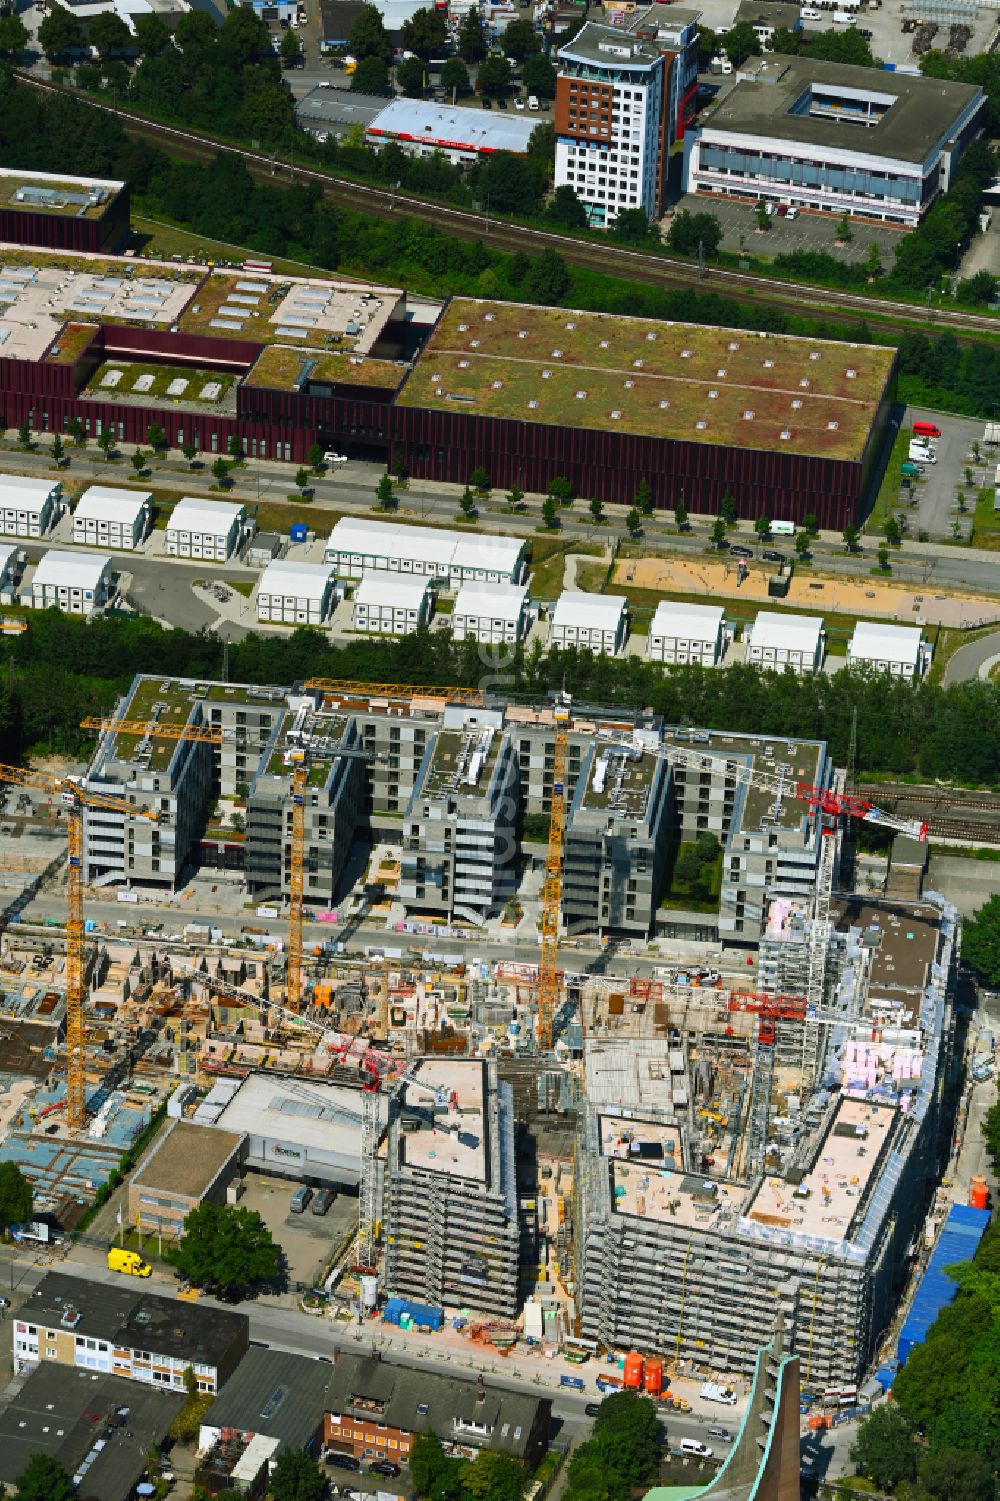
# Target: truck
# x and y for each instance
(130, 1263)
(713, 1392)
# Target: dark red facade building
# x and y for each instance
(63, 213)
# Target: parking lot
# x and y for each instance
(306, 1239)
(933, 507)
(810, 231)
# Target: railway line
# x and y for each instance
(971, 817)
(468, 224)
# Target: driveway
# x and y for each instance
(974, 660)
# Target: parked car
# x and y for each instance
(342, 1461)
(384, 1467)
(782, 210)
(323, 1199)
(592, 1409)
(692, 1446)
(770, 556)
(739, 551)
(331, 457)
(715, 1431)
(300, 1199)
(533, 101)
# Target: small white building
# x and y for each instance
(899, 649)
(490, 612)
(205, 529)
(357, 546)
(296, 593)
(779, 641)
(391, 606)
(105, 517)
(28, 507)
(77, 582)
(685, 633)
(594, 622)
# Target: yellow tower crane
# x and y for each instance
(548, 973)
(74, 797)
(474, 697)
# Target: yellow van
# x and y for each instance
(129, 1262)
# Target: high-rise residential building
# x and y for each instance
(612, 122)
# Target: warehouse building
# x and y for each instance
(681, 633)
(451, 1220)
(898, 649)
(592, 622)
(779, 640)
(105, 517)
(491, 612)
(357, 546)
(422, 128)
(209, 529)
(28, 507)
(296, 593)
(832, 137)
(187, 1165)
(395, 605)
(76, 582)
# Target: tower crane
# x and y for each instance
(330, 687)
(74, 796)
(548, 976)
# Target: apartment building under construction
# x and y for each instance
(684, 1248)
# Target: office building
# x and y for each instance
(898, 649)
(491, 612)
(295, 593)
(768, 16)
(187, 1165)
(674, 31)
(358, 546)
(779, 640)
(611, 120)
(686, 634)
(28, 507)
(86, 214)
(451, 1222)
(119, 519)
(391, 604)
(209, 529)
(422, 128)
(592, 622)
(76, 582)
(832, 137)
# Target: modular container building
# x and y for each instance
(421, 1314)
(959, 1241)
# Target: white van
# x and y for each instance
(918, 454)
(808, 13)
(693, 1447)
(783, 528)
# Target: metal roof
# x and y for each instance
(17, 492)
(601, 612)
(497, 601)
(873, 641)
(71, 570)
(275, 1393)
(215, 517)
(301, 580)
(694, 622)
(405, 592)
(453, 127)
(773, 630)
(103, 503)
(958, 1241)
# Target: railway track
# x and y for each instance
(468, 224)
(971, 817)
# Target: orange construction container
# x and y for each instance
(979, 1193)
(653, 1379)
(818, 1422)
(633, 1371)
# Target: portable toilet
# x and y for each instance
(298, 531)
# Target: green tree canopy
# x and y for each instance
(371, 76)
(368, 36)
(539, 76)
(152, 35)
(741, 42)
(471, 39)
(296, 1477)
(688, 231)
(566, 211)
(16, 1195)
(494, 76)
(411, 77)
(60, 31)
(425, 33)
(291, 49)
(227, 1247)
(108, 33)
(508, 183)
(885, 1450)
(44, 1479)
(14, 35)
(520, 40)
(957, 1475)
(455, 77)
(548, 281)
(981, 942)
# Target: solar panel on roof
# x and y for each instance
(243, 301)
(251, 286)
(300, 322)
(225, 323)
(292, 333)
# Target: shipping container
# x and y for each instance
(422, 1314)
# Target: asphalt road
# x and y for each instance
(967, 661)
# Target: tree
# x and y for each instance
(851, 536)
(560, 489)
(521, 40)
(368, 36)
(548, 281)
(957, 1475)
(741, 42)
(842, 47)
(24, 435)
(981, 942)
(844, 231)
(139, 461)
(411, 77)
(296, 1477)
(566, 211)
(77, 432)
(494, 77)
(220, 470)
(302, 477)
(979, 290)
(633, 522)
(14, 35)
(227, 1247)
(106, 443)
(494, 1476)
(550, 512)
(314, 457)
(480, 480)
(58, 452)
(681, 517)
(425, 33)
(539, 76)
(882, 557)
(471, 41)
(190, 451)
(60, 32)
(626, 1435)
(884, 1449)
(802, 545)
(398, 466)
(893, 532)
(633, 227)
(455, 77)
(16, 1195)
(156, 437)
(688, 231)
(719, 532)
(515, 497)
(597, 511)
(108, 33)
(727, 510)
(762, 526)
(152, 35)
(708, 47)
(195, 34)
(810, 524)
(467, 503)
(371, 76)
(44, 1479)
(291, 49)
(383, 491)
(763, 217)
(873, 265)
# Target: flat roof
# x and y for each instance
(636, 375)
(71, 570)
(602, 612)
(320, 314)
(769, 13)
(775, 629)
(498, 601)
(874, 642)
(276, 1393)
(829, 1196)
(403, 590)
(321, 1117)
(453, 126)
(187, 1159)
(284, 368)
(18, 492)
(450, 1136)
(920, 111)
(791, 760)
(674, 617)
(461, 762)
(104, 503)
(395, 540)
(48, 193)
(617, 782)
(904, 941)
(653, 1193)
(213, 516)
(609, 47)
(304, 580)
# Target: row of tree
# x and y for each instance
(63, 669)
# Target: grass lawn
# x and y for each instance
(277, 515)
(243, 586)
(167, 240)
(548, 562)
(677, 892)
(889, 490)
(986, 521)
(947, 644)
(443, 606)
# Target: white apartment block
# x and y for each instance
(210, 529)
(295, 593)
(780, 641)
(898, 649)
(687, 634)
(391, 606)
(28, 507)
(105, 517)
(611, 120)
(491, 612)
(76, 582)
(593, 622)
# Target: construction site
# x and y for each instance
(623, 1141)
